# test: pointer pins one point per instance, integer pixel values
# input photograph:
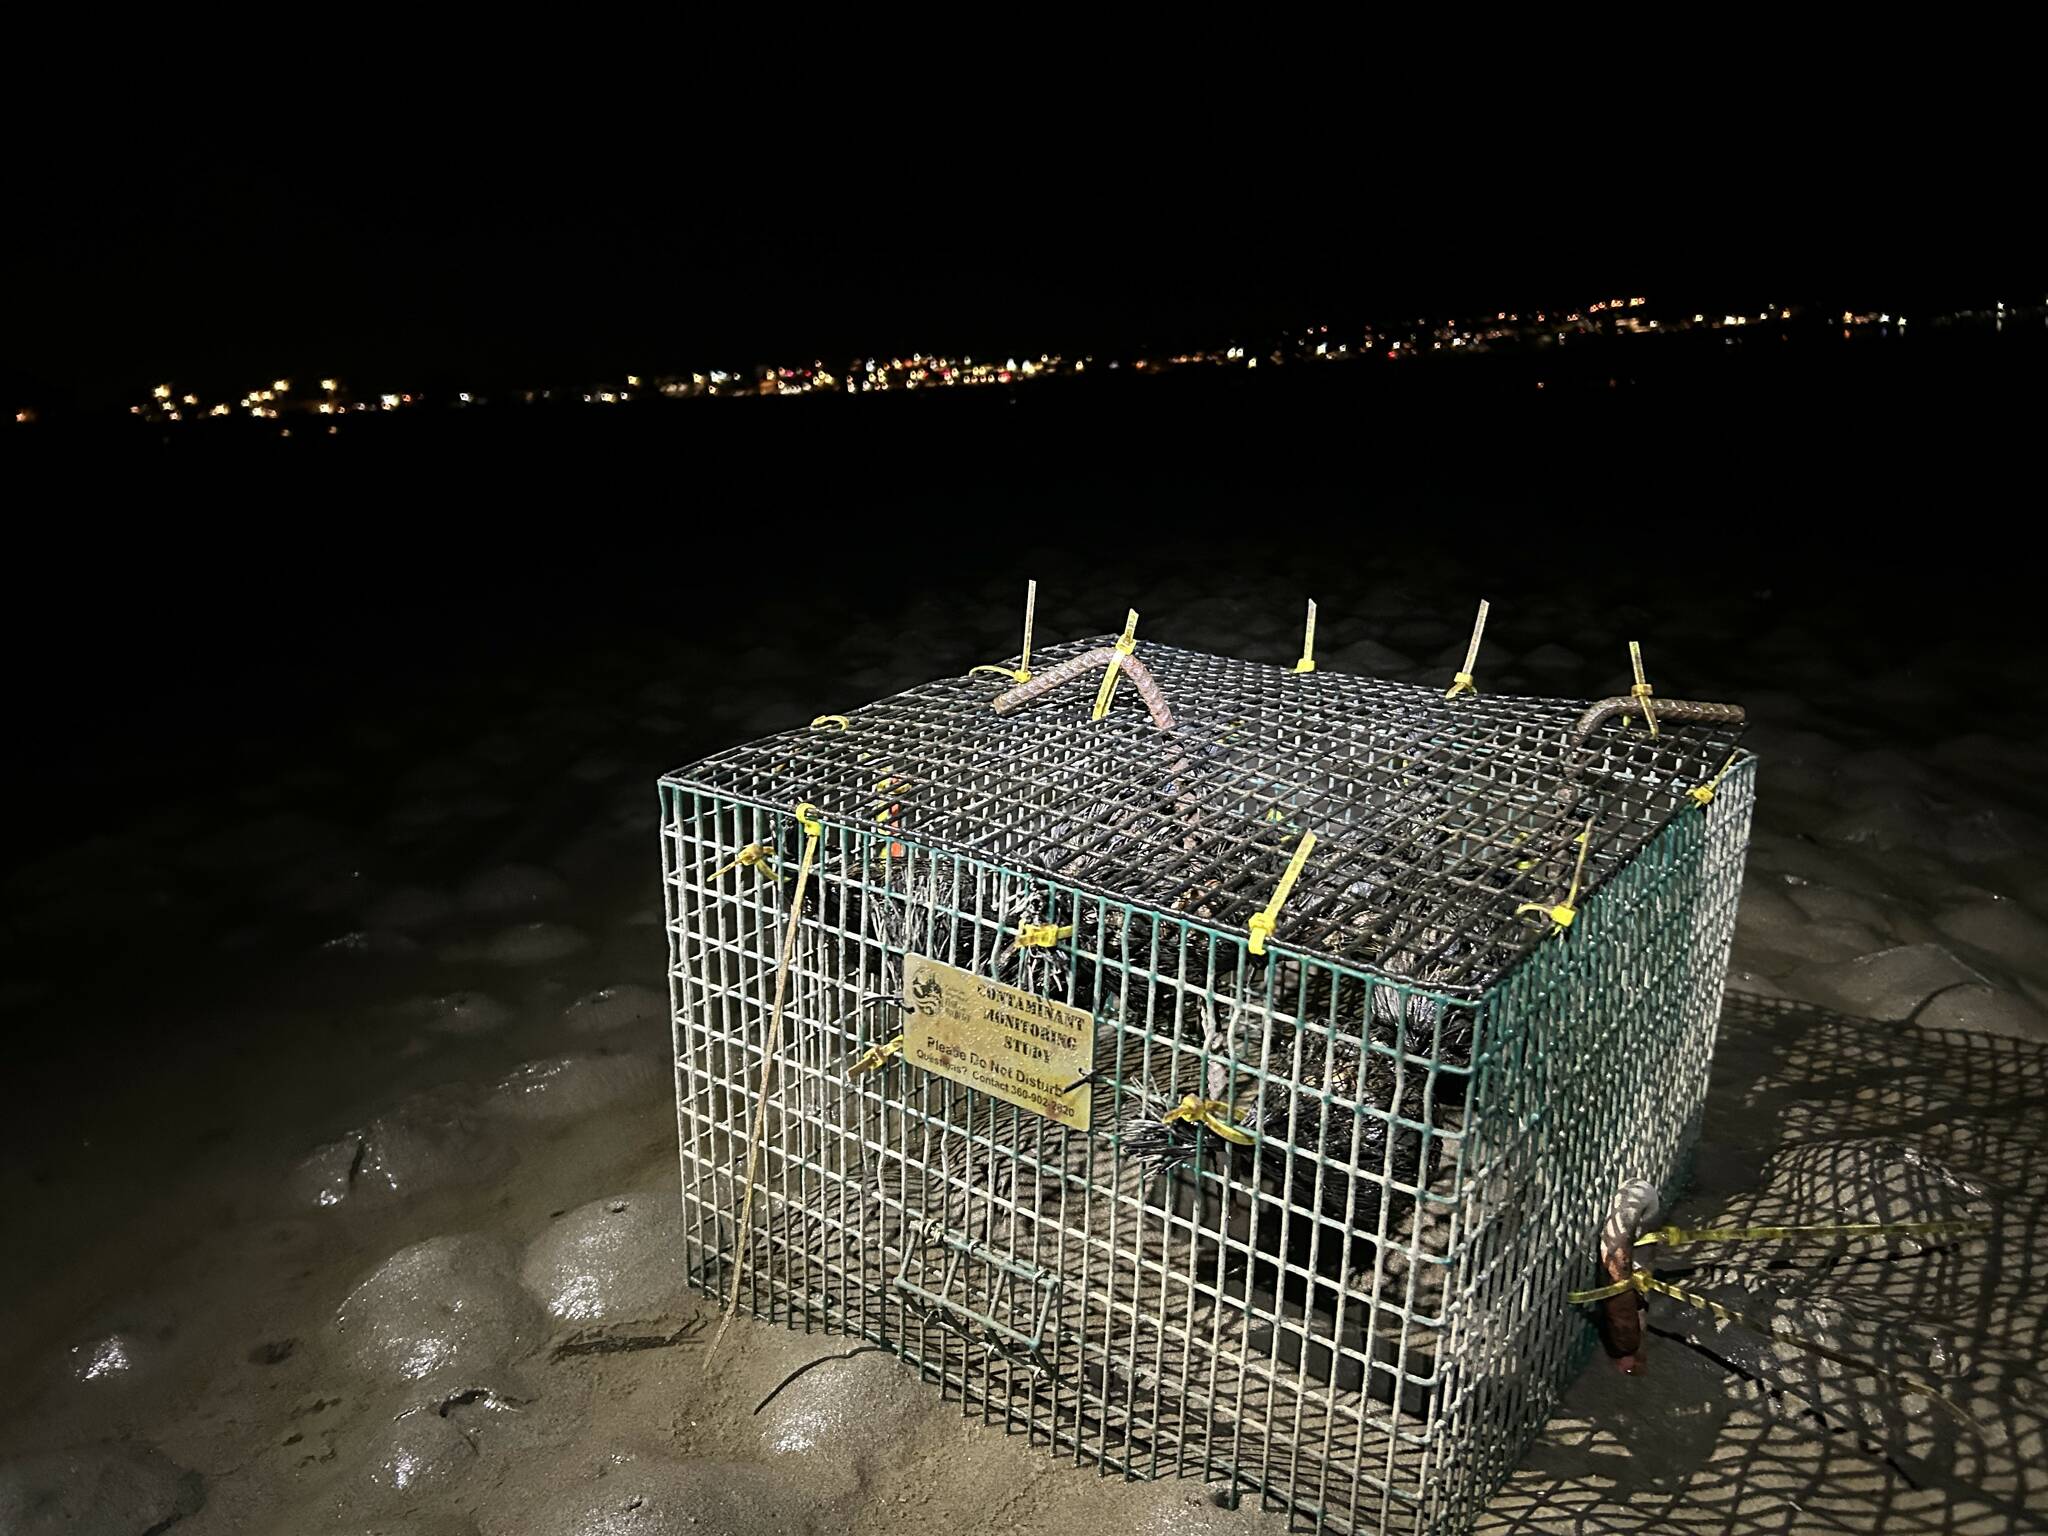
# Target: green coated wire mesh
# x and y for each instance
(1352, 1308)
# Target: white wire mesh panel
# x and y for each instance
(1344, 1293)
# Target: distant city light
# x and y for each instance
(1410, 341)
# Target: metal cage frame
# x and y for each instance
(1363, 1319)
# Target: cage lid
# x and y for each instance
(1444, 827)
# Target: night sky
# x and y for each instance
(539, 243)
(558, 247)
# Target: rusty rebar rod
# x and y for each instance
(1669, 711)
(1679, 711)
(1045, 682)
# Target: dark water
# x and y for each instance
(187, 617)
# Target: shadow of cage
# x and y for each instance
(1818, 1117)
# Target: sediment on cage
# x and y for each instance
(1299, 1214)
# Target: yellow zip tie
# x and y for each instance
(1021, 673)
(1308, 642)
(771, 1053)
(840, 720)
(1030, 612)
(1262, 922)
(1670, 1236)
(1703, 794)
(876, 1056)
(1210, 1114)
(1128, 644)
(1602, 1292)
(752, 856)
(1462, 683)
(1042, 935)
(890, 784)
(1566, 912)
(1642, 688)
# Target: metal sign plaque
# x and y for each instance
(1024, 1049)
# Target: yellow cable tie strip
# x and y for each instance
(1211, 1115)
(1601, 1293)
(1042, 935)
(1262, 922)
(1671, 1236)
(808, 818)
(1021, 673)
(1642, 687)
(839, 720)
(876, 1057)
(1566, 912)
(1462, 682)
(1128, 644)
(753, 856)
(1308, 642)
(1703, 794)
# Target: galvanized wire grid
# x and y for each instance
(1436, 818)
(1362, 1320)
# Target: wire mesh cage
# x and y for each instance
(1284, 1193)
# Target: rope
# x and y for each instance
(807, 818)
(1262, 923)
(1671, 1236)
(1645, 1283)
(1308, 642)
(1462, 683)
